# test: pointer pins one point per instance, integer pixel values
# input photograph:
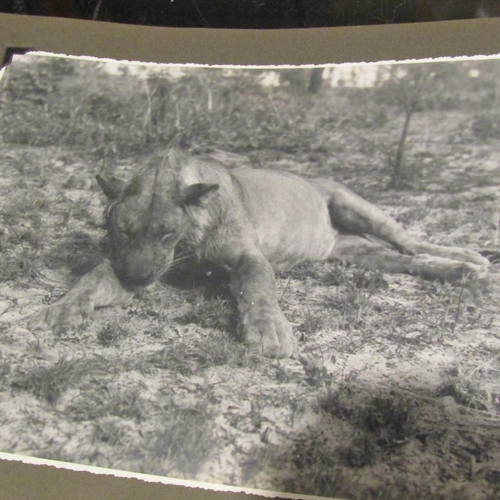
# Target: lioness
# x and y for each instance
(251, 223)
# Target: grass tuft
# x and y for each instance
(49, 382)
(389, 419)
(188, 357)
(465, 393)
(215, 312)
(185, 440)
(313, 322)
(111, 334)
(126, 403)
(109, 431)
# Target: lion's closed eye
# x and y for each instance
(166, 234)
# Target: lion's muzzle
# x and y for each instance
(137, 268)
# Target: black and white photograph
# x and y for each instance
(278, 279)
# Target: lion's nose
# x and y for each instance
(131, 277)
(135, 270)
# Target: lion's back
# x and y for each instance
(289, 214)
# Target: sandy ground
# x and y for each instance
(396, 393)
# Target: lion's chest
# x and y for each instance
(290, 217)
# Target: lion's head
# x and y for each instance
(148, 217)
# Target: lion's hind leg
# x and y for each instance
(358, 250)
(454, 253)
(352, 214)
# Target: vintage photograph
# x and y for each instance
(276, 278)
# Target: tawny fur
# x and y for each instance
(251, 223)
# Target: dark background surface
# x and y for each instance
(257, 14)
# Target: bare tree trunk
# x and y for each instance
(315, 80)
(397, 179)
(148, 119)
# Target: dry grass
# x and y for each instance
(49, 382)
(397, 378)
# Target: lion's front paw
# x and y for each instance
(268, 333)
(62, 316)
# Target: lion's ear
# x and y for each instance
(196, 194)
(112, 187)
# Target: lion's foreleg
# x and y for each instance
(265, 328)
(98, 288)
